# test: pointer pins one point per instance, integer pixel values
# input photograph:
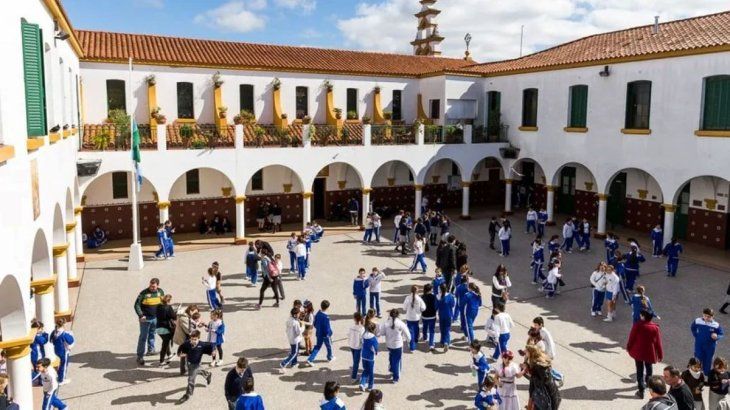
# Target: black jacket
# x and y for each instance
(683, 397)
(234, 383)
(166, 317)
(447, 257)
(430, 300)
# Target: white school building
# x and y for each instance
(626, 128)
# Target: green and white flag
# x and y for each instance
(136, 154)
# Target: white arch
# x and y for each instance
(434, 163)
(389, 166)
(168, 193)
(291, 170)
(41, 264)
(474, 168)
(647, 175)
(556, 176)
(13, 320)
(88, 184)
(59, 227)
(714, 181)
(346, 166)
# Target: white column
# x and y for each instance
(468, 131)
(73, 274)
(419, 199)
(164, 207)
(669, 210)
(421, 137)
(19, 370)
(601, 231)
(43, 290)
(365, 204)
(306, 208)
(238, 133)
(240, 219)
(161, 137)
(78, 233)
(508, 196)
(550, 204)
(59, 266)
(465, 199)
(367, 135)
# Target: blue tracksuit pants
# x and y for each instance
(419, 259)
(598, 298)
(318, 345)
(445, 329)
(355, 362)
(429, 330)
(470, 327)
(375, 302)
(414, 331)
(395, 357)
(302, 266)
(705, 352)
(213, 301)
(361, 305)
(51, 400)
(505, 247)
(291, 359)
(292, 261)
(531, 226)
(672, 265)
(368, 374)
(501, 346)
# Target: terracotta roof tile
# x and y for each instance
(675, 36)
(151, 49)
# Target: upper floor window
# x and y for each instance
(192, 182)
(578, 112)
(435, 109)
(119, 185)
(185, 101)
(116, 96)
(302, 102)
(352, 104)
(246, 91)
(638, 105)
(397, 114)
(529, 107)
(716, 104)
(257, 181)
(35, 92)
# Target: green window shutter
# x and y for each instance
(578, 106)
(716, 113)
(35, 93)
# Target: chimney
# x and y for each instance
(656, 25)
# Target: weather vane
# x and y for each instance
(467, 38)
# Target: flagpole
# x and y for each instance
(136, 262)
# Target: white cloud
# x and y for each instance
(305, 5)
(235, 16)
(389, 25)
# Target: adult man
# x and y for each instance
(146, 308)
(680, 392)
(354, 207)
(192, 351)
(447, 257)
(235, 380)
(659, 399)
(706, 332)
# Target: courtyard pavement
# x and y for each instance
(599, 374)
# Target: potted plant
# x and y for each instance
(217, 79)
(101, 141)
(186, 134)
(376, 89)
(306, 119)
(345, 136)
(245, 117)
(351, 115)
(276, 83)
(151, 80)
(284, 116)
(259, 133)
(222, 111)
(198, 143)
(366, 119)
(161, 119)
(120, 120)
(387, 115)
(327, 85)
(284, 137)
(338, 113)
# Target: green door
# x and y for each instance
(681, 216)
(566, 191)
(616, 203)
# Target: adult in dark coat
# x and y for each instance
(645, 347)
(447, 257)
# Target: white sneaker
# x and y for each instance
(593, 314)
(332, 359)
(64, 382)
(608, 319)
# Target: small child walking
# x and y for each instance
(210, 281)
(50, 384)
(369, 351)
(323, 333)
(216, 330)
(360, 291)
(63, 341)
(355, 341)
(479, 364)
(375, 280)
(488, 396)
(446, 303)
(294, 335)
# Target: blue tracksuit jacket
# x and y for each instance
(322, 325)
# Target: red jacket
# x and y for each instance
(645, 342)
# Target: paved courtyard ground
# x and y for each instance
(599, 374)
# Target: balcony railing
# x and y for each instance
(330, 135)
(104, 137)
(198, 136)
(491, 133)
(393, 134)
(260, 136)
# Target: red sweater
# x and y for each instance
(645, 342)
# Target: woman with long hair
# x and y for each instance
(500, 286)
(374, 400)
(166, 321)
(544, 394)
(473, 303)
(183, 326)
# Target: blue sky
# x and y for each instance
(383, 25)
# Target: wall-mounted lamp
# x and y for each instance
(605, 72)
(62, 35)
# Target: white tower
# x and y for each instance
(428, 41)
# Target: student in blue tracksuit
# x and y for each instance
(631, 263)
(50, 383)
(531, 220)
(437, 281)
(672, 252)
(354, 340)
(308, 237)
(396, 334)
(460, 294)
(446, 304)
(542, 217)
(657, 237)
(323, 333)
(479, 364)
(301, 252)
(360, 291)
(639, 302)
(419, 247)
(538, 259)
(568, 233)
(375, 280)
(584, 233)
(62, 342)
(162, 241)
(611, 244)
(249, 400)
(38, 347)
(369, 351)
(706, 332)
(169, 241)
(473, 303)
(331, 390)
(620, 267)
(291, 244)
(210, 281)
(554, 244)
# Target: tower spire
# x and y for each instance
(428, 40)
